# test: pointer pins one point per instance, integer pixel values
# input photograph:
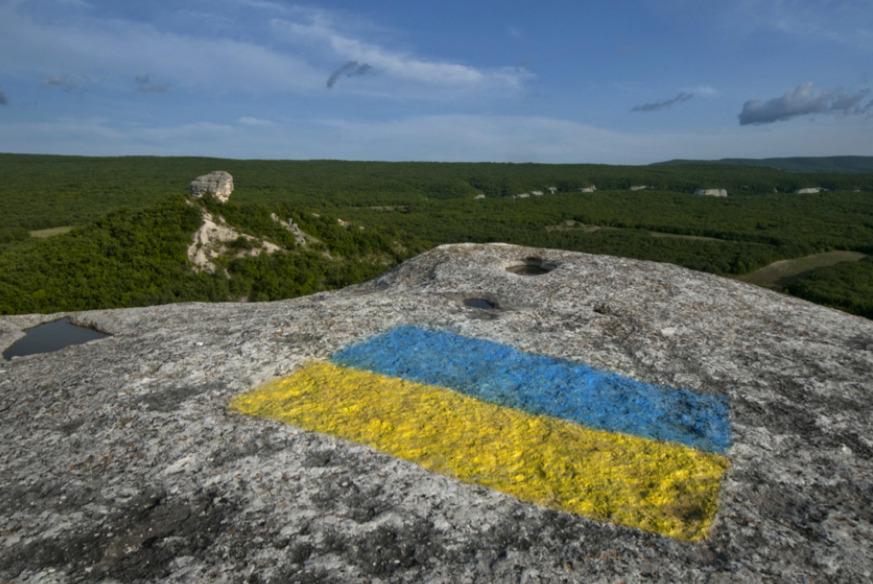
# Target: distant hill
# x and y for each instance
(829, 164)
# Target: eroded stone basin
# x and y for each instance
(51, 336)
(532, 266)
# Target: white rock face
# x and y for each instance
(121, 461)
(479, 197)
(211, 241)
(588, 189)
(639, 187)
(537, 193)
(300, 237)
(711, 192)
(809, 190)
(218, 183)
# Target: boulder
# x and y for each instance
(129, 458)
(218, 183)
(809, 190)
(711, 192)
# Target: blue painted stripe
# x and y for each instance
(544, 385)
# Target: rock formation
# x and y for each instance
(711, 192)
(588, 189)
(809, 191)
(639, 187)
(218, 183)
(300, 237)
(122, 459)
(213, 238)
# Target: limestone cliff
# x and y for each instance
(123, 460)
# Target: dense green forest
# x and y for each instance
(828, 164)
(47, 191)
(132, 224)
(847, 286)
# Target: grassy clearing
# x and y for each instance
(774, 275)
(50, 232)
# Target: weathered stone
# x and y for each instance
(212, 240)
(300, 237)
(809, 191)
(711, 192)
(120, 460)
(218, 183)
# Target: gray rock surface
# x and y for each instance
(218, 183)
(711, 192)
(120, 461)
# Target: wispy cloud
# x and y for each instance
(845, 22)
(349, 69)
(429, 137)
(805, 100)
(685, 95)
(319, 27)
(145, 84)
(254, 122)
(68, 83)
(92, 44)
(655, 106)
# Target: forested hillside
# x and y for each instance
(815, 164)
(130, 225)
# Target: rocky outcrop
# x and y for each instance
(711, 192)
(809, 191)
(639, 187)
(588, 189)
(121, 460)
(300, 237)
(214, 239)
(218, 183)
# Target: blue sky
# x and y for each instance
(548, 81)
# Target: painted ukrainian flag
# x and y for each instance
(546, 430)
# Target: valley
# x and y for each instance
(81, 233)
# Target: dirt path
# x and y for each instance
(771, 275)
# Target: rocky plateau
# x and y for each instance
(122, 462)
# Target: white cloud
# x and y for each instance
(805, 100)
(103, 48)
(317, 27)
(847, 22)
(253, 121)
(436, 137)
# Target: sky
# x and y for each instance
(619, 82)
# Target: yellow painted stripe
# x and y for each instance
(657, 486)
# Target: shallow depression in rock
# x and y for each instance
(481, 303)
(532, 266)
(51, 336)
